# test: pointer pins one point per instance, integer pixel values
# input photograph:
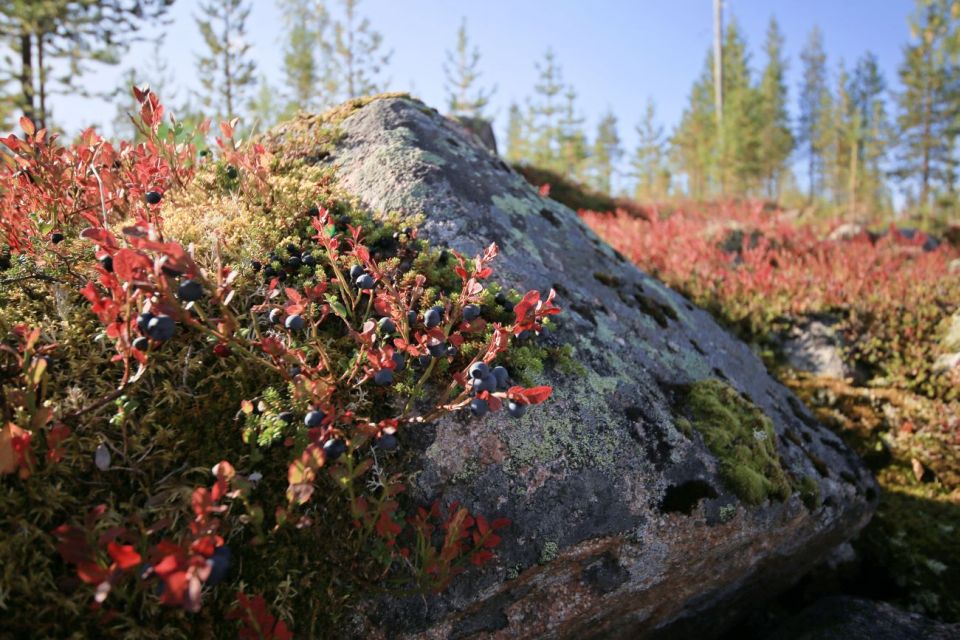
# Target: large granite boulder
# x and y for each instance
(666, 488)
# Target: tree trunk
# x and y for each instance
(42, 82)
(26, 75)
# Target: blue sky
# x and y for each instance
(615, 53)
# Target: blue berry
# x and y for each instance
(452, 351)
(286, 416)
(294, 262)
(471, 312)
(293, 250)
(438, 350)
(308, 259)
(143, 321)
(190, 290)
(256, 264)
(516, 410)
(365, 281)
(219, 565)
(275, 316)
(424, 361)
(487, 383)
(383, 377)
(401, 361)
(161, 328)
(153, 197)
(314, 418)
(479, 370)
(479, 407)
(524, 335)
(387, 442)
(141, 344)
(334, 448)
(502, 376)
(231, 172)
(56, 237)
(387, 326)
(295, 323)
(107, 263)
(355, 272)
(433, 317)
(412, 318)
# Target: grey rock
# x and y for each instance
(592, 552)
(481, 128)
(813, 345)
(847, 618)
(845, 231)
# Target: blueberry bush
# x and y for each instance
(211, 360)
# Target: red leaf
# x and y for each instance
(124, 555)
(534, 395)
(27, 125)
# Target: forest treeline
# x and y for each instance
(853, 142)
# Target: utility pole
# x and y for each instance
(718, 61)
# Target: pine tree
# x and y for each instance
(648, 166)
(464, 97)
(517, 141)
(355, 54)
(70, 31)
(738, 162)
(606, 153)
(545, 112)
(868, 90)
(572, 152)
(776, 139)
(814, 95)
(693, 143)
(927, 116)
(226, 72)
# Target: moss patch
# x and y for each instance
(742, 438)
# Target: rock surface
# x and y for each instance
(846, 618)
(813, 345)
(622, 525)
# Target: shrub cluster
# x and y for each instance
(180, 413)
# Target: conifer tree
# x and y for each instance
(648, 165)
(738, 162)
(545, 112)
(72, 32)
(265, 108)
(927, 116)
(304, 24)
(776, 139)
(814, 96)
(694, 140)
(464, 97)
(868, 91)
(356, 54)
(226, 71)
(571, 143)
(517, 141)
(606, 153)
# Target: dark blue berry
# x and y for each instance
(501, 298)
(365, 282)
(231, 172)
(479, 407)
(294, 372)
(334, 448)
(516, 410)
(141, 344)
(314, 418)
(452, 351)
(387, 326)
(308, 259)
(161, 328)
(143, 320)
(153, 197)
(257, 265)
(275, 316)
(355, 272)
(412, 318)
(479, 370)
(471, 312)
(190, 290)
(286, 416)
(438, 350)
(107, 263)
(502, 376)
(293, 249)
(423, 361)
(524, 335)
(487, 383)
(433, 317)
(56, 237)
(401, 361)
(387, 442)
(219, 565)
(295, 323)
(383, 377)
(294, 262)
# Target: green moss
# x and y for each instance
(810, 492)
(549, 552)
(742, 439)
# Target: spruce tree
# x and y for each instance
(517, 141)
(356, 54)
(72, 32)
(776, 139)
(693, 143)
(814, 97)
(738, 153)
(927, 116)
(464, 97)
(606, 153)
(545, 112)
(649, 163)
(571, 143)
(868, 91)
(226, 71)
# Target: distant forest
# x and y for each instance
(854, 138)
